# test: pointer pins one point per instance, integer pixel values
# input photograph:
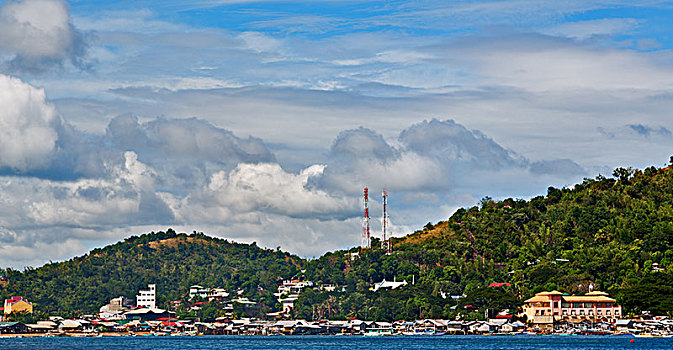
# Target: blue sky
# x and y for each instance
(263, 120)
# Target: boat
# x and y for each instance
(378, 332)
(652, 335)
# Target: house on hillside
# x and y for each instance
(15, 305)
(388, 285)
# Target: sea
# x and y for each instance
(537, 342)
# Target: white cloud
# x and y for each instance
(27, 126)
(39, 33)
(267, 188)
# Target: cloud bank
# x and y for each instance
(38, 35)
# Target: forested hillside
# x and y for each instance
(172, 261)
(602, 234)
(611, 234)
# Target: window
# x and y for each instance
(588, 305)
(599, 312)
(565, 305)
(607, 312)
(556, 304)
(565, 312)
(591, 312)
(572, 312)
(608, 304)
(577, 305)
(617, 312)
(582, 312)
(599, 304)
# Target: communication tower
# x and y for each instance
(366, 242)
(385, 235)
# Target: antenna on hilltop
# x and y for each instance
(385, 235)
(366, 241)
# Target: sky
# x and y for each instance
(262, 121)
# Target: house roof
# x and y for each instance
(145, 311)
(495, 285)
(588, 298)
(595, 296)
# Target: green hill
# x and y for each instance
(610, 234)
(603, 234)
(172, 261)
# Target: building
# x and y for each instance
(147, 298)
(199, 291)
(149, 314)
(554, 306)
(387, 284)
(17, 305)
(293, 287)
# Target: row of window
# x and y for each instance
(591, 312)
(574, 312)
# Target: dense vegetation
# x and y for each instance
(172, 261)
(603, 234)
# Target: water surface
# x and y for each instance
(342, 342)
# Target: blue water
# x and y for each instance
(341, 342)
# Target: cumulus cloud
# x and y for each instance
(267, 188)
(432, 157)
(27, 126)
(39, 34)
(447, 140)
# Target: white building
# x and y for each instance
(147, 298)
(198, 291)
(387, 284)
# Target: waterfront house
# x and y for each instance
(547, 308)
(513, 327)
(12, 327)
(146, 314)
(430, 325)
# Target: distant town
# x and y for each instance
(549, 312)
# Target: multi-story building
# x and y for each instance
(17, 305)
(554, 306)
(147, 298)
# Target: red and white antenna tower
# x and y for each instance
(385, 235)
(366, 242)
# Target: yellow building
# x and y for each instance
(554, 306)
(18, 305)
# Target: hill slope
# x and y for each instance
(172, 261)
(611, 234)
(605, 234)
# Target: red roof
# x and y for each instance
(14, 300)
(492, 285)
(503, 316)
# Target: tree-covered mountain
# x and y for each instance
(611, 234)
(173, 261)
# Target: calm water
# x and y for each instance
(342, 342)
